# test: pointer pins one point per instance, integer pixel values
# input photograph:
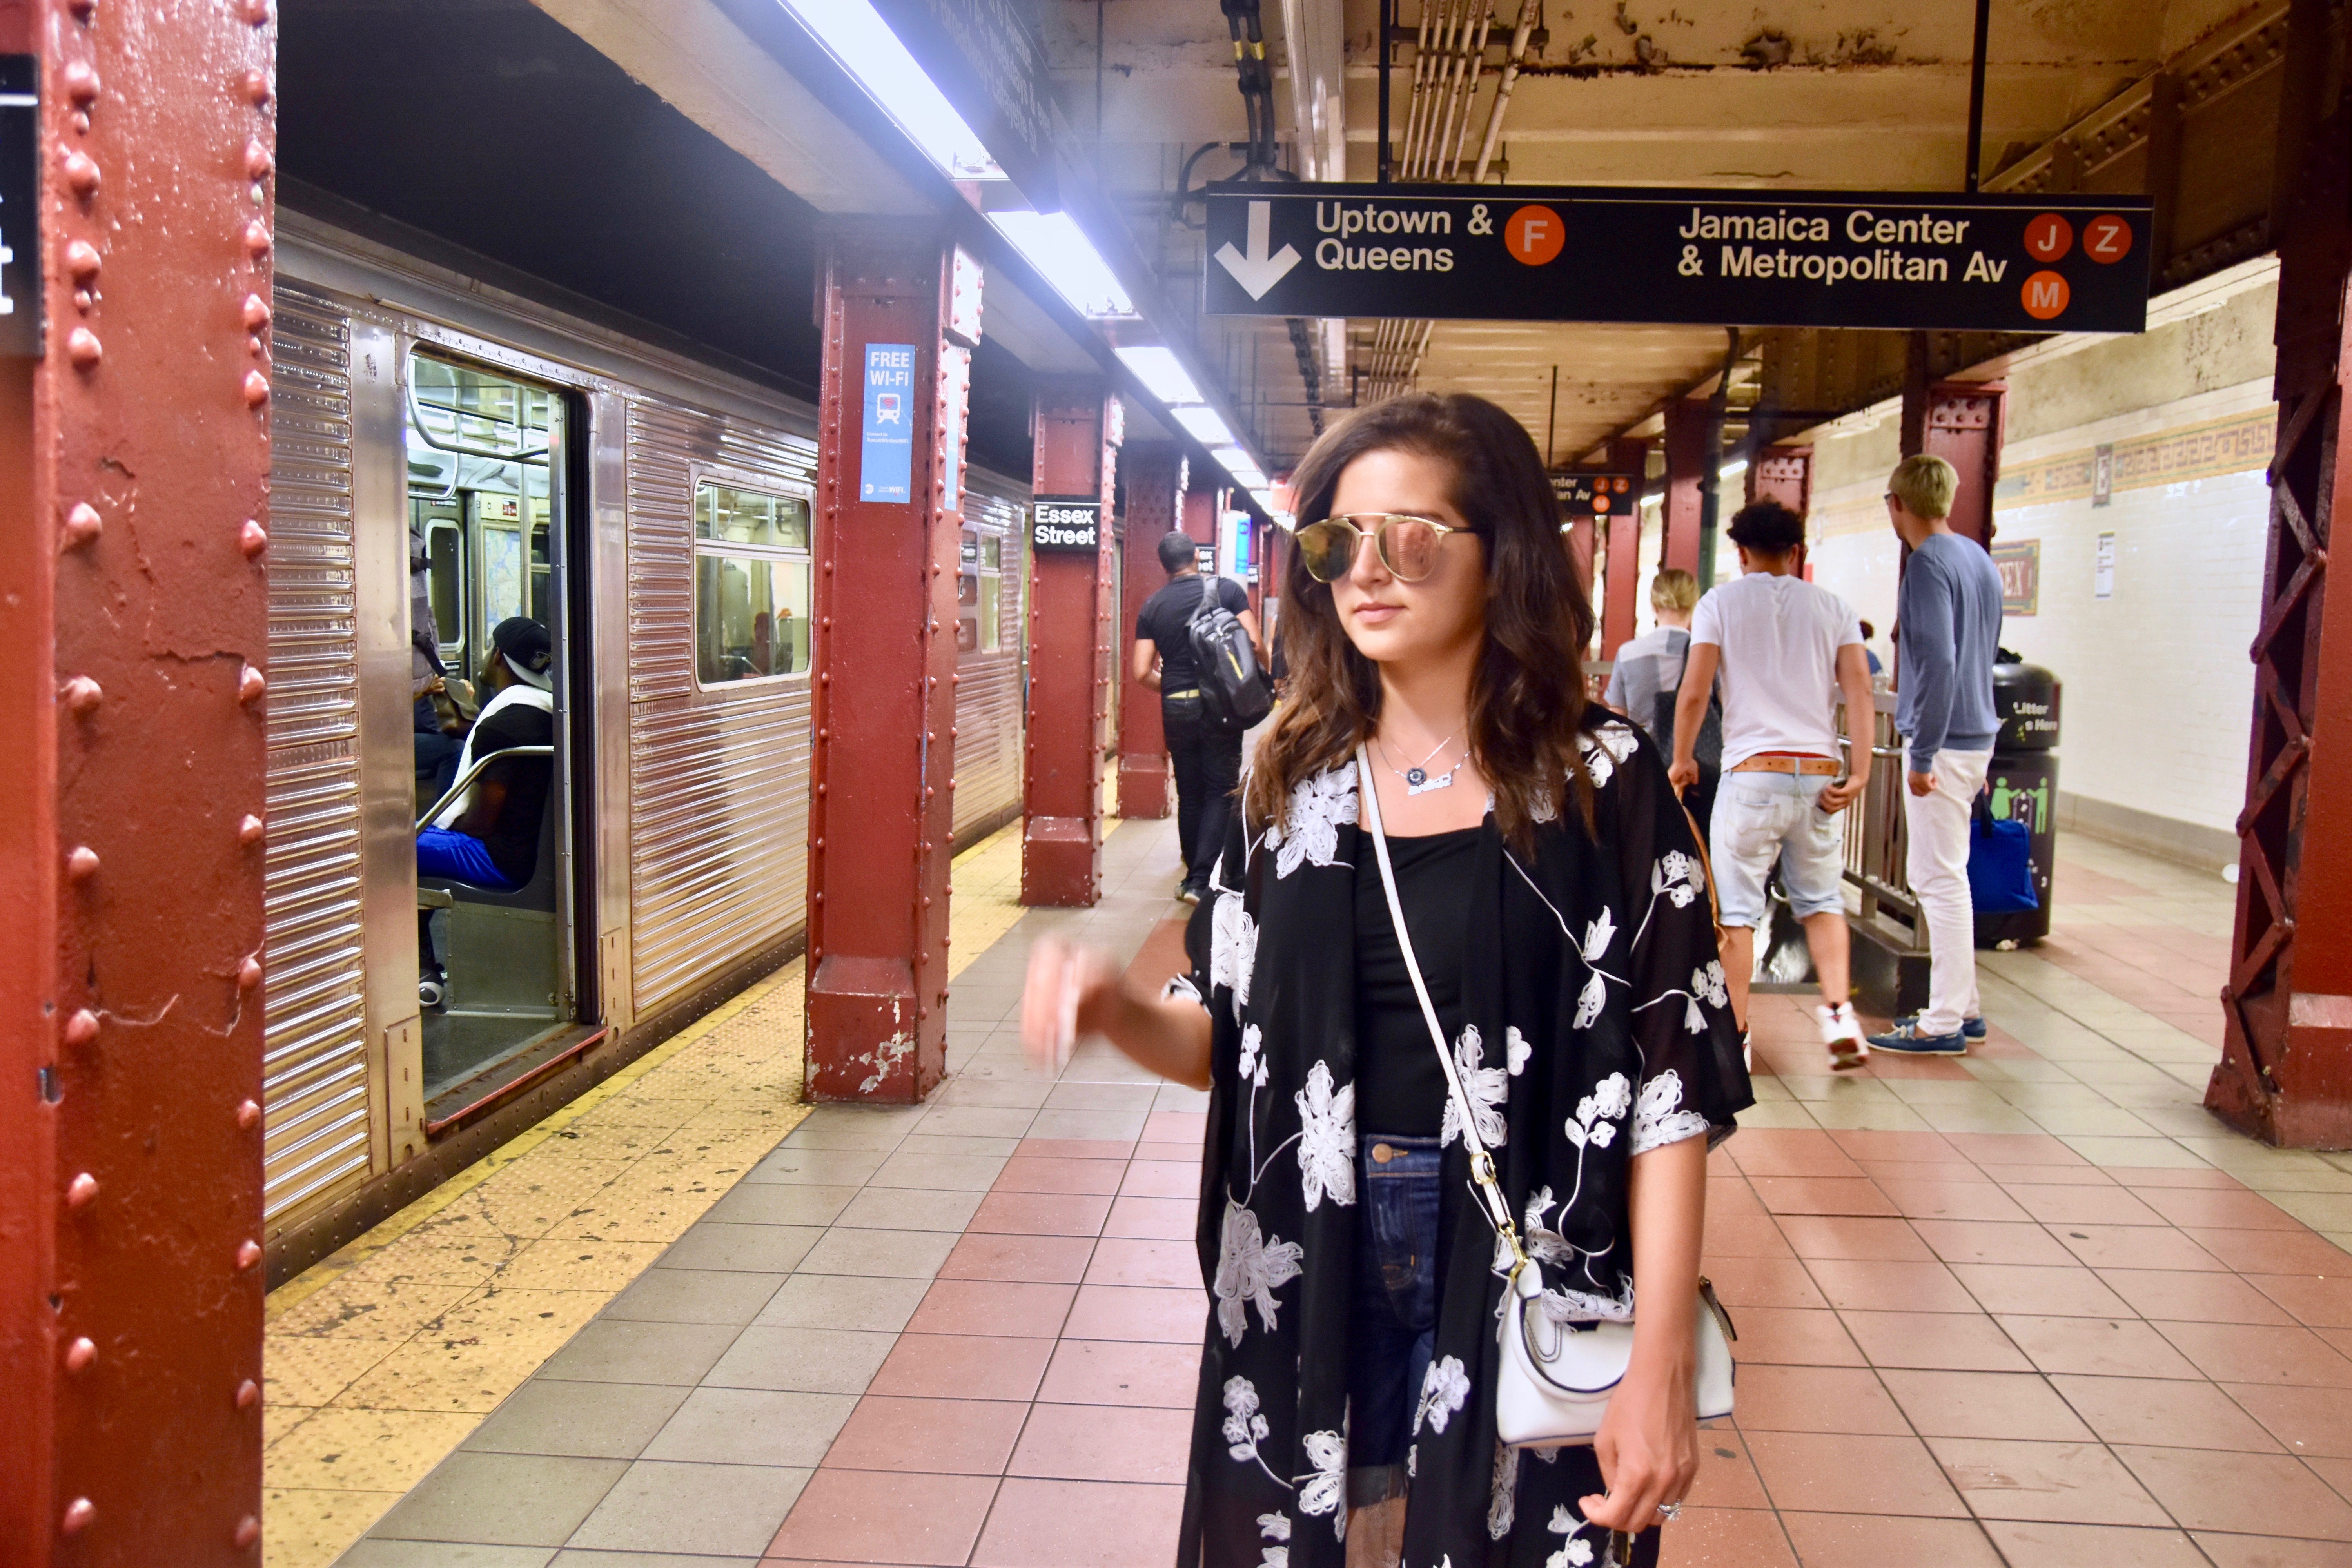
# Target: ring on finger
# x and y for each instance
(1670, 1511)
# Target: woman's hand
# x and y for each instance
(1072, 990)
(1647, 1446)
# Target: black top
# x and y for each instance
(1399, 1086)
(513, 840)
(1166, 614)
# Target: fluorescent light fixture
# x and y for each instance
(1732, 470)
(1163, 376)
(1232, 457)
(1205, 426)
(871, 53)
(1059, 249)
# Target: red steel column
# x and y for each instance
(1962, 421)
(2286, 1074)
(1786, 475)
(134, 632)
(1155, 490)
(1685, 444)
(1069, 633)
(1629, 456)
(883, 812)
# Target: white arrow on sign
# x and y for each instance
(1257, 272)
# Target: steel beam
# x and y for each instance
(1627, 454)
(1962, 422)
(1070, 597)
(1155, 508)
(134, 461)
(1686, 424)
(881, 817)
(2285, 1073)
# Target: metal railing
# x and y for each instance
(1874, 844)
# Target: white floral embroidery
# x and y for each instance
(1543, 1243)
(1574, 1552)
(1250, 1266)
(1502, 1497)
(1541, 807)
(1322, 1489)
(1326, 1140)
(1515, 1049)
(1604, 749)
(1597, 935)
(1245, 1428)
(1488, 1089)
(1676, 876)
(1708, 985)
(1598, 1113)
(1444, 1390)
(1274, 1526)
(1310, 831)
(1275, 1557)
(1180, 985)
(1233, 948)
(1590, 1000)
(1252, 1064)
(1658, 1117)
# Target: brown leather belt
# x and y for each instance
(1803, 767)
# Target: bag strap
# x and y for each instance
(1208, 593)
(1482, 1163)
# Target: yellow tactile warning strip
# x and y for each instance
(381, 1359)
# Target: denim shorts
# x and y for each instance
(1762, 818)
(1393, 1323)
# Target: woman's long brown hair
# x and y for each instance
(1526, 694)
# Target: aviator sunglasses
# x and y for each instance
(1407, 545)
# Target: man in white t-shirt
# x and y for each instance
(1785, 649)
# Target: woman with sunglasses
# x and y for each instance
(1555, 902)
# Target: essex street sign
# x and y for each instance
(1072, 524)
(1935, 260)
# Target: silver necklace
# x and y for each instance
(1417, 779)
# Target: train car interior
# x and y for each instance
(487, 514)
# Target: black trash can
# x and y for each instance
(2023, 784)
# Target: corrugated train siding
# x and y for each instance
(315, 1091)
(719, 782)
(988, 696)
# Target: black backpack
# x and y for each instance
(1235, 691)
(1707, 750)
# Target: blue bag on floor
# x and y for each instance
(2001, 864)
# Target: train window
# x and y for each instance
(751, 584)
(980, 589)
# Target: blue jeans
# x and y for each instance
(1392, 1324)
(443, 852)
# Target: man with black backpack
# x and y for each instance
(1204, 718)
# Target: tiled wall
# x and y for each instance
(2158, 690)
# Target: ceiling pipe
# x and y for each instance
(1519, 36)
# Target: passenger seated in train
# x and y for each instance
(438, 705)
(490, 835)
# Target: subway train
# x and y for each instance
(446, 457)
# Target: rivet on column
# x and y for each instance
(82, 863)
(248, 1115)
(257, 12)
(81, 1027)
(258, 162)
(81, 175)
(256, 240)
(249, 830)
(257, 312)
(256, 389)
(81, 1191)
(249, 1253)
(81, 83)
(250, 685)
(83, 525)
(81, 1355)
(77, 1516)
(82, 260)
(82, 695)
(257, 87)
(253, 539)
(248, 974)
(248, 1394)
(249, 1530)
(83, 348)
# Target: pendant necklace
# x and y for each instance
(1417, 780)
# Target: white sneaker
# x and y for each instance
(1841, 1032)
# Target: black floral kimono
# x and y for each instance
(1597, 1027)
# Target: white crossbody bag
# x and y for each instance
(1556, 1378)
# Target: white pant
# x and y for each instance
(1937, 825)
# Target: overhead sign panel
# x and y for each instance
(1779, 259)
(1586, 493)
(20, 187)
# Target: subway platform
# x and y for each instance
(2034, 1307)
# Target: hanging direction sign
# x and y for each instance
(1586, 494)
(20, 188)
(1929, 261)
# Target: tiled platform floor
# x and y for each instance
(2033, 1306)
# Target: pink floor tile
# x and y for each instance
(1123, 1371)
(2023, 1289)
(993, 1307)
(874, 1516)
(1080, 1524)
(1725, 1538)
(1040, 1213)
(1104, 1443)
(1140, 1313)
(1126, 1260)
(1859, 1541)
(1153, 1218)
(1161, 1179)
(963, 1366)
(2061, 1483)
(1034, 1259)
(928, 1436)
(1875, 1286)
(1041, 1174)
